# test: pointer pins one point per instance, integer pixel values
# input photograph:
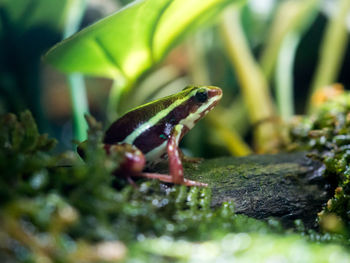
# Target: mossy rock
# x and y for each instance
(288, 186)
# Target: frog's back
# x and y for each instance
(132, 120)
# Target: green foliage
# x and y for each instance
(129, 42)
(333, 49)
(22, 156)
(27, 29)
(292, 18)
(326, 133)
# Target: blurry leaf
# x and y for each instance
(132, 40)
(232, 140)
(332, 51)
(27, 29)
(49, 13)
(252, 81)
(293, 17)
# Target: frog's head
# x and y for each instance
(200, 100)
(203, 95)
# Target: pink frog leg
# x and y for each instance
(175, 165)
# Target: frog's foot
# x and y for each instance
(169, 179)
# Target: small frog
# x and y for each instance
(151, 133)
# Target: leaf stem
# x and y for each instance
(292, 17)
(252, 82)
(74, 14)
(332, 50)
(79, 105)
(200, 75)
(119, 85)
(233, 141)
(284, 76)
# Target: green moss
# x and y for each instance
(66, 200)
(57, 208)
(326, 134)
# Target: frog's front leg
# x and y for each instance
(175, 164)
(174, 156)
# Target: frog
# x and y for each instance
(151, 133)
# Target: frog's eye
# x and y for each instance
(201, 96)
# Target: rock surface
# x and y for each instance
(286, 186)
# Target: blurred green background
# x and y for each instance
(284, 49)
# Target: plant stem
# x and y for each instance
(332, 50)
(284, 76)
(74, 15)
(291, 17)
(252, 82)
(153, 83)
(79, 105)
(238, 120)
(200, 75)
(119, 85)
(197, 59)
(232, 140)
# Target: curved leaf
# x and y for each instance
(128, 42)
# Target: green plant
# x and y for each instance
(127, 44)
(146, 39)
(27, 29)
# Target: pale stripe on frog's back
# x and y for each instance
(156, 118)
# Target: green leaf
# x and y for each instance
(132, 40)
(292, 17)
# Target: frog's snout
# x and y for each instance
(215, 92)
